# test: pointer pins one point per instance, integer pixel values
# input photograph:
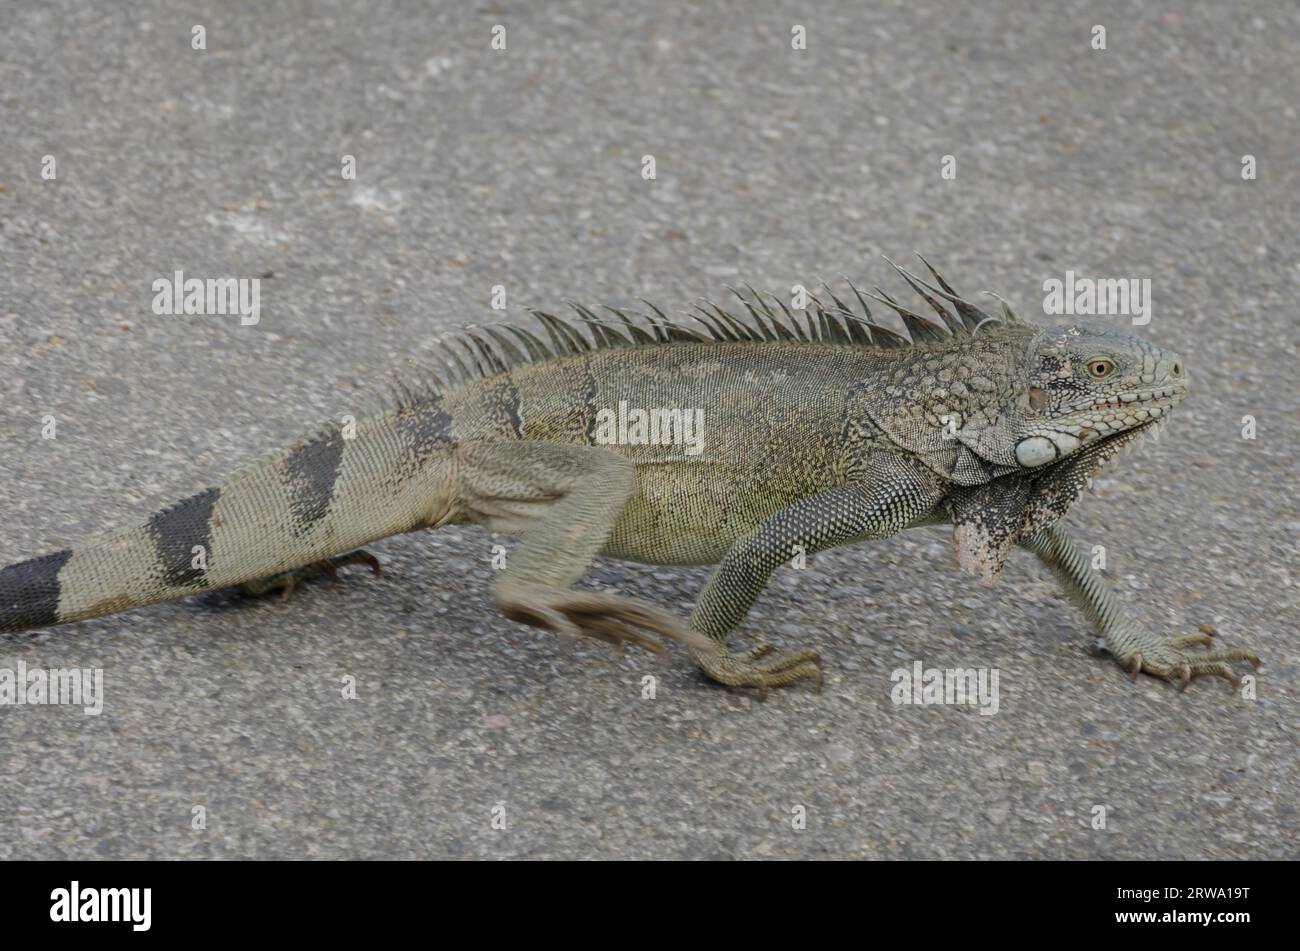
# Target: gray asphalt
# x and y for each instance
(523, 168)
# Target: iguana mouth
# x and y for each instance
(1128, 399)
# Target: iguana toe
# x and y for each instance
(1190, 640)
(757, 651)
(742, 670)
(607, 617)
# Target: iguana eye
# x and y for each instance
(1099, 369)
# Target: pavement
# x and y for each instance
(229, 728)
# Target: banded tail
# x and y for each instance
(325, 495)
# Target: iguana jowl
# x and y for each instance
(819, 430)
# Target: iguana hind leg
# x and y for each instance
(286, 581)
(895, 493)
(564, 501)
(1137, 649)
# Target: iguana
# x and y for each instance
(817, 427)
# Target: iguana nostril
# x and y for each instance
(1178, 369)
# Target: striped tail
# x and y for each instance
(326, 495)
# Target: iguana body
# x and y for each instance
(813, 435)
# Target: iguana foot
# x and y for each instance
(286, 581)
(607, 617)
(743, 670)
(1166, 658)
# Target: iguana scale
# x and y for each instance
(820, 428)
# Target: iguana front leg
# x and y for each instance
(1137, 649)
(895, 493)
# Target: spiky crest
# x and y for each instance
(467, 356)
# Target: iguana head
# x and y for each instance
(1086, 384)
(1091, 391)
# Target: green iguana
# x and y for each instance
(743, 441)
